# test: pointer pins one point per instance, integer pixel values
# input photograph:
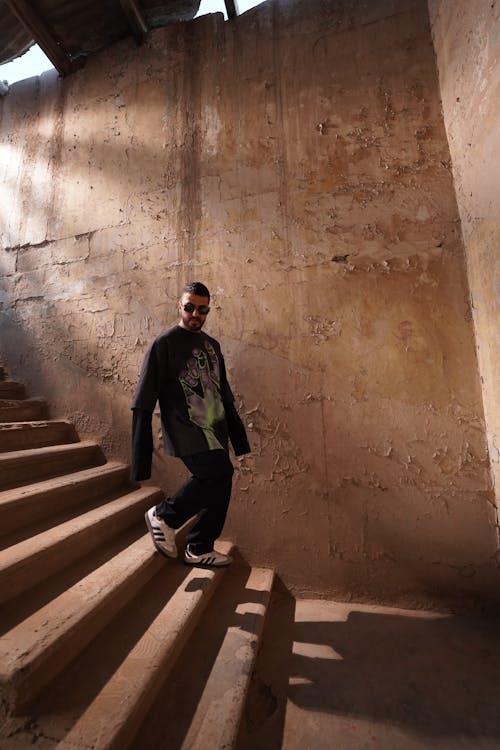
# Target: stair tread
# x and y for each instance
(34, 464)
(34, 424)
(22, 435)
(47, 450)
(10, 385)
(61, 626)
(32, 560)
(36, 544)
(22, 409)
(219, 710)
(112, 718)
(21, 401)
(73, 479)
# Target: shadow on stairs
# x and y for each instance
(105, 643)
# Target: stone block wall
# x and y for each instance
(295, 160)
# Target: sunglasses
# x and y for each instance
(190, 308)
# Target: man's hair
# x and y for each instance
(196, 287)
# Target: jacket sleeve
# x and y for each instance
(142, 445)
(143, 404)
(148, 388)
(235, 426)
(236, 429)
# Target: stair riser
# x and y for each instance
(32, 570)
(21, 471)
(10, 389)
(14, 438)
(221, 706)
(28, 682)
(129, 707)
(32, 508)
(26, 411)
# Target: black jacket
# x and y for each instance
(178, 370)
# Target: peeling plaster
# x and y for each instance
(313, 194)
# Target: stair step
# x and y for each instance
(21, 467)
(13, 410)
(114, 716)
(220, 709)
(30, 562)
(11, 389)
(16, 436)
(37, 649)
(29, 504)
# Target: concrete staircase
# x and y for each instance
(97, 628)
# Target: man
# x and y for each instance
(184, 370)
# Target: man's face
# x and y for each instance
(192, 319)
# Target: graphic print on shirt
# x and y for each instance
(200, 382)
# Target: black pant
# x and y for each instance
(206, 494)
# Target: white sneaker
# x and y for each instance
(162, 535)
(213, 559)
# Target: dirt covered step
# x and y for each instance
(33, 560)
(21, 467)
(215, 673)
(220, 709)
(39, 647)
(115, 715)
(14, 410)
(22, 507)
(11, 389)
(16, 436)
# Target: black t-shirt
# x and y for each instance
(185, 372)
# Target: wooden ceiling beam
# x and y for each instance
(43, 37)
(135, 19)
(230, 8)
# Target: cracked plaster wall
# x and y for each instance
(467, 43)
(296, 161)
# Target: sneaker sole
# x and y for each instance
(207, 565)
(172, 555)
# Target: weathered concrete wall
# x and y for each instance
(467, 42)
(296, 161)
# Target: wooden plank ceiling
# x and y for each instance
(68, 32)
